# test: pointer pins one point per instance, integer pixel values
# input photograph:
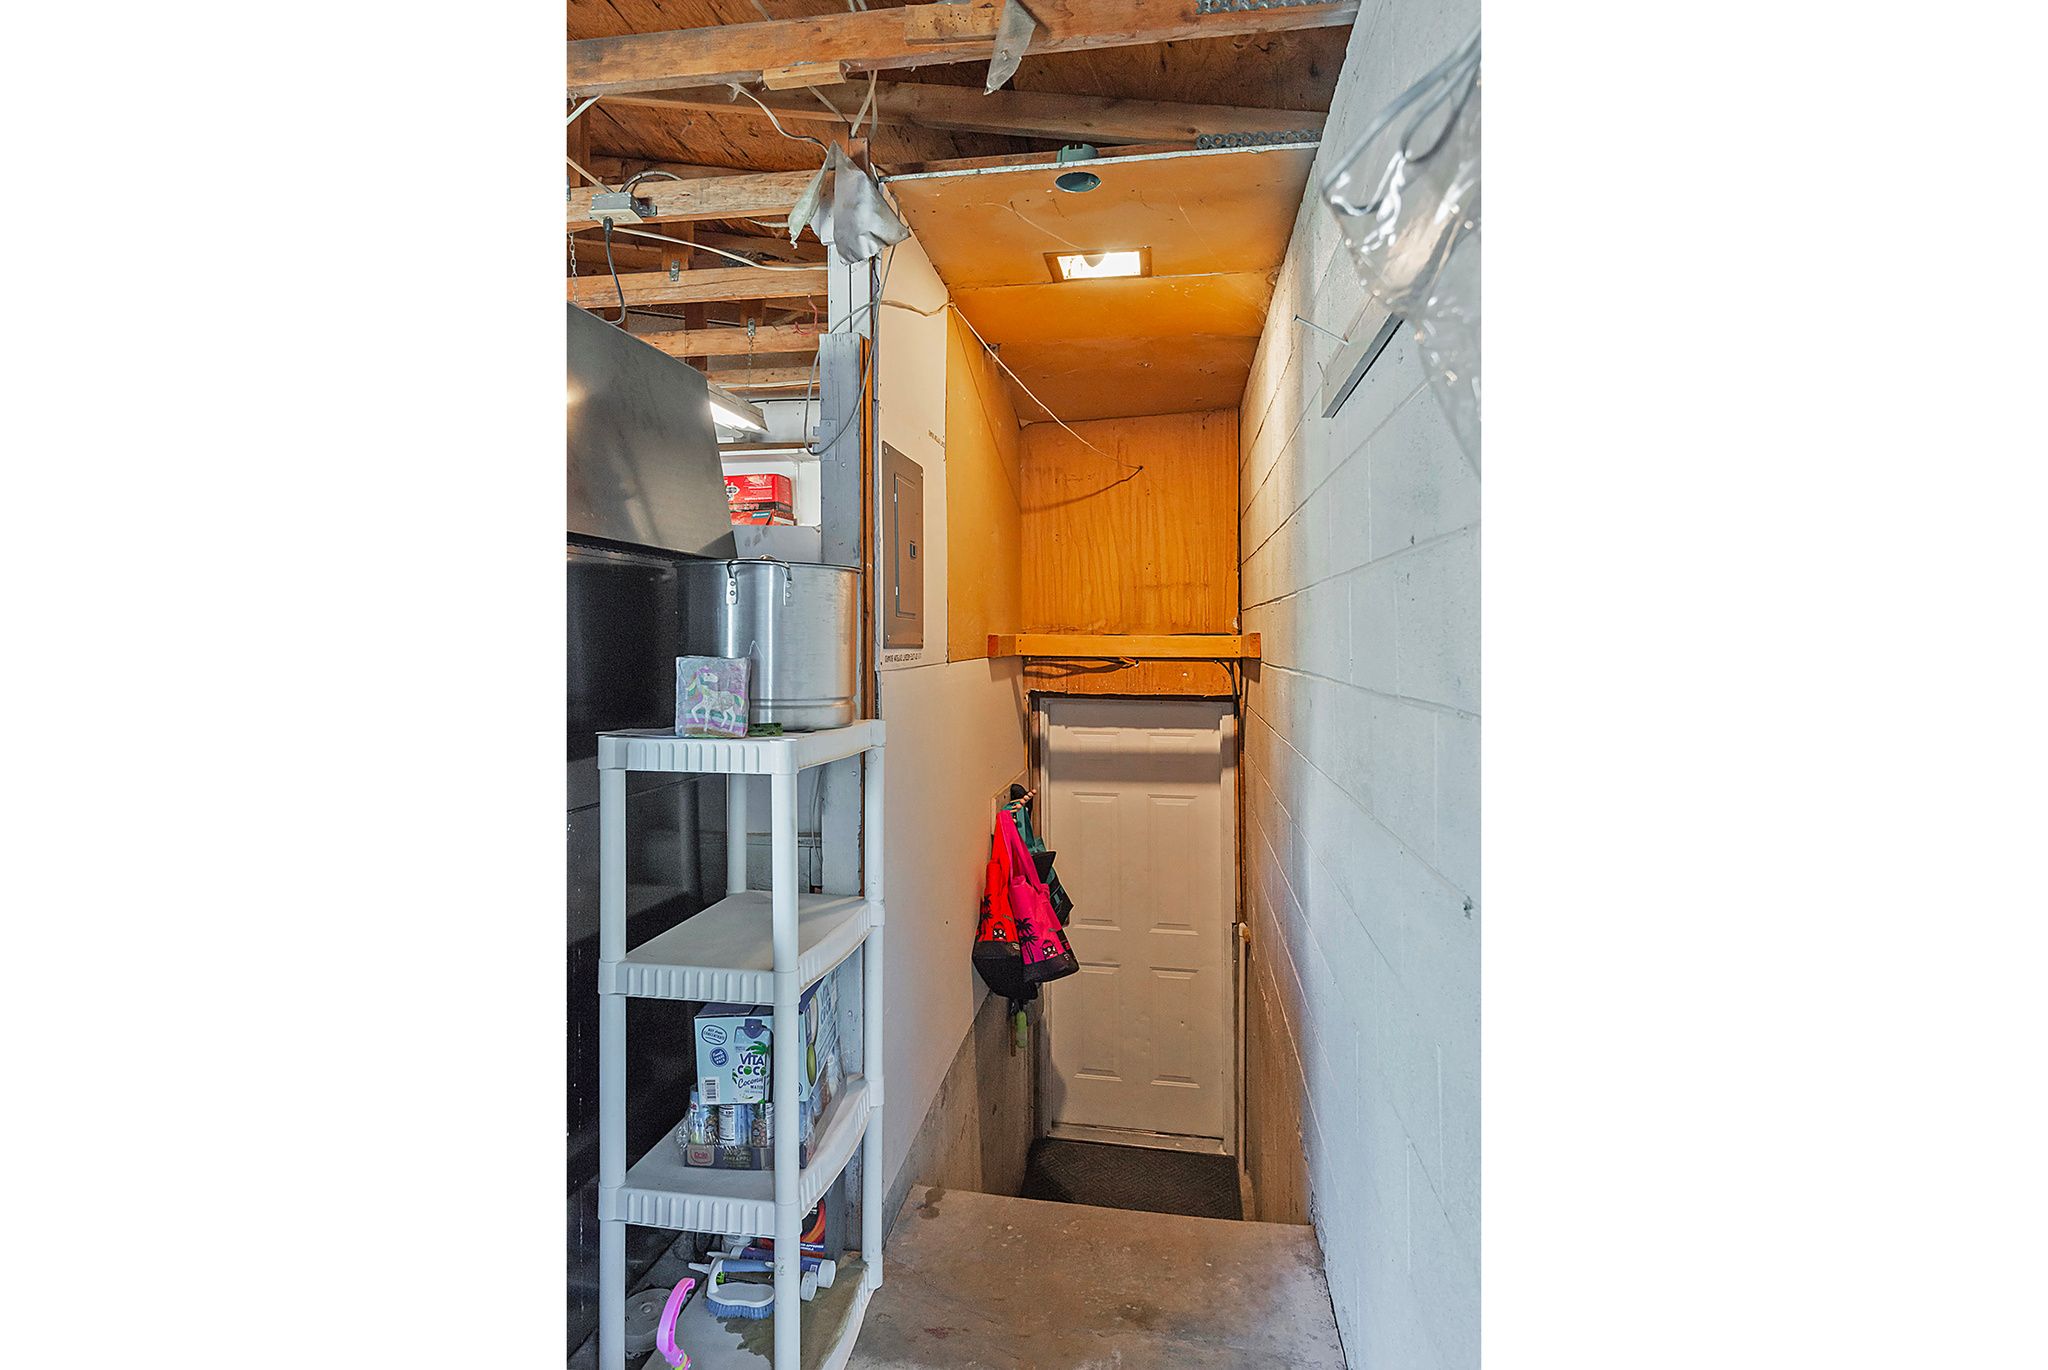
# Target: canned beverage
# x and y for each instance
(728, 1124)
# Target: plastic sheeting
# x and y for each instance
(1406, 195)
(846, 209)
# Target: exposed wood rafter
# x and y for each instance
(886, 39)
(761, 378)
(713, 197)
(695, 287)
(732, 342)
(1028, 114)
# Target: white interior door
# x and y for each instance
(1139, 806)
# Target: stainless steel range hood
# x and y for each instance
(643, 455)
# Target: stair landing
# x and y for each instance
(981, 1281)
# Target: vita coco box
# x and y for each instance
(736, 1049)
(735, 1062)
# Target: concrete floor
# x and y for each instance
(981, 1280)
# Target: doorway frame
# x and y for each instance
(1233, 839)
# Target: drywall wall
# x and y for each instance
(1360, 545)
(910, 398)
(956, 738)
(984, 499)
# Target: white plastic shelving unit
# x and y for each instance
(753, 947)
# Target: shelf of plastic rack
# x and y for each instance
(831, 1324)
(726, 954)
(660, 1191)
(659, 749)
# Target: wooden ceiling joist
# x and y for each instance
(886, 39)
(731, 342)
(599, 293)
(763, 377)
(712, 197)
(1028, 114)
(780, 248)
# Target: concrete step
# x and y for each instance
(979, 1281)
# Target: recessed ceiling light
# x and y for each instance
(1095, 266)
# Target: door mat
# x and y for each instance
(1132, 1177)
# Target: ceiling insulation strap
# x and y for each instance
(1013, 36)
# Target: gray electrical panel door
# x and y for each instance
(903, 552)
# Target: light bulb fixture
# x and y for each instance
(731, 411)
(1097, 266)
(1076, 181)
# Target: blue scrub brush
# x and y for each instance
(739, 1299)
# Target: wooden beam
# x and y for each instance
(1023, 113)
(695, 287)
(628, 254)
(880, 40)
(647, 254)
(764, 378)
(804, 74)
(1044, 159)
(803, 250)
(616, 170)
(713, 197)
(1138, 646)
(951, 23)
(731, 342)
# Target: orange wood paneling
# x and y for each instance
(1146, 678)
(984, 498)
(1136, 533)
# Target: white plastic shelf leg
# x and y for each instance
(872, 967)
(735, 833)
(611, 1069)
(788, 1062)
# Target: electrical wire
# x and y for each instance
(701, 247)
(586, 175)
(621, 320)
(1034, 399)
(793, 137)
(577, 112)
(865, 106)
(866, 367)
(640, 176)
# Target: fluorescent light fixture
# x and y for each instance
(732, 411)
(1097, 266)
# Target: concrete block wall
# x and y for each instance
(1359, 542)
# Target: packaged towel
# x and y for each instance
(711, 696)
